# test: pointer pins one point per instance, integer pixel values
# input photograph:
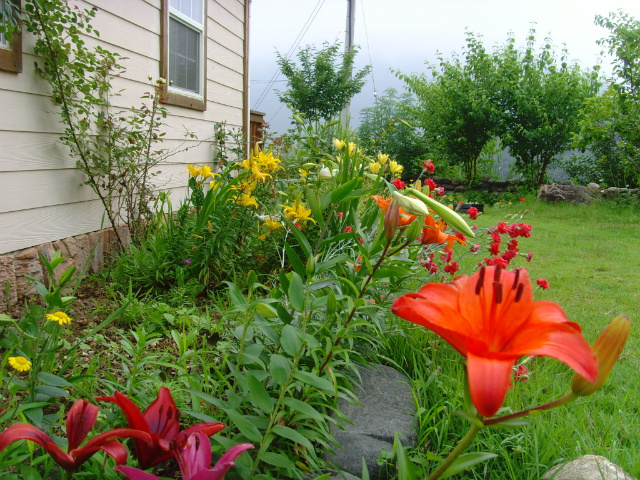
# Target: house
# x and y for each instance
(43, 205)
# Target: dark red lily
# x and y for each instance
(80, 420)
(195, 461)
(492, 320)
(161, 420)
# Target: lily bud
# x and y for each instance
(607, 349)
(414, 229)
(392, 219)
(455, 221)
(412, 206)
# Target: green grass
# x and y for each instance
(589, 255)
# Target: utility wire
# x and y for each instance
(296, 42)
(366, 34)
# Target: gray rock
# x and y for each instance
(566, 193)
(386, 407)
(588, 467)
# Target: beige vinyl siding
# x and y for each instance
(42, 198)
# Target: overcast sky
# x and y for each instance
(404, 34)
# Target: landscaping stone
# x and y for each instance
(386, 407)
(96, 239)
(567, 193)
(8, 285)
(27, 262)
(588, 467)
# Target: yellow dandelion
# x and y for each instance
(375, 167)
(20, 364)
(60, 317)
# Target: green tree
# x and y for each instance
(540, 98)
(609, 124)
(456, 107)
(384, 130)
(324, 82)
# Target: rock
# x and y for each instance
(27, 262)
(96, 240)
(8, 285)
(594, 186)
(588, 467)
(387, 407)
(566, 193)
(343, 476)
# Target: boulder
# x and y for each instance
(386, 407)
(588, 467)
(566, 193)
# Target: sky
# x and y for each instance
(406, 35)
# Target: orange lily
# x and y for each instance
(383, 203)
(492, 320)
(433, 233)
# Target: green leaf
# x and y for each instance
(284, 314)
(200, 416)
(207, 398)
(303, 408)
(236, 296)
(314, 380)
(53, 380)
(280, 368)
(259, 395)
(296, 292)
(246, 427)
(465, 461)
(292, 435)
(294, 259)
(344, 190)
(314, 205)
(50, 391)
(276, 460)
(290, 340)
(299, 236)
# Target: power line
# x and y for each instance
(366, 34)
(296, 42)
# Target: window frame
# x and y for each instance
(174, 95)
(11, 58)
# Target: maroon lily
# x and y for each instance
(80, 420)
(194, 460)
(161, 420)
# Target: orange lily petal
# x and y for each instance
(488, 382)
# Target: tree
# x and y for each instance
(609, 126)
(541, 100)
(383, 130)
(324, 82)
(457, 107)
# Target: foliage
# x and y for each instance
(382, 129)
(456, 107)
(324, 82)
(525, 98)
(541, 98)
(608, 126)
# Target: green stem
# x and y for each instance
(353, 310)
(456, 452)
(547, 406)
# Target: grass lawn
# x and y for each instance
(589, 255)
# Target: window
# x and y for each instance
(183, 62)
(10, 51)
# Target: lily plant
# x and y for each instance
(194, 460)
(80, 420)
(161, 421)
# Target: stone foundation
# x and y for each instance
(486, 183)
(89, 249)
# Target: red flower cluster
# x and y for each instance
(473, 213)
(399, 184)
(428, 166)
(431, 184)
(542, 283)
